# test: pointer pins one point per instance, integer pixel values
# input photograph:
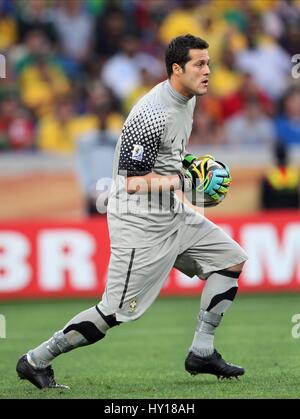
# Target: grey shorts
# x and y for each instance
(136, 276)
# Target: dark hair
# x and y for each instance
(178, 50)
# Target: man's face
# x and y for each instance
(193, 79)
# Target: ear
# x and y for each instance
(177, 70)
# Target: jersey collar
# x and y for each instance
(175, 95)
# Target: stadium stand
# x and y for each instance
(58, 52)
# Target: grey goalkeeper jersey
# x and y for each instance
(153, 139)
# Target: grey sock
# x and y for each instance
(217, 296)
(203, 342)
(84, 329)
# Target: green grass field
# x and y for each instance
(144, 359)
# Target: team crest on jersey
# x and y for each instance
(132, 306)
(137, 152)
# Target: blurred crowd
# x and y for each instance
(74, 67)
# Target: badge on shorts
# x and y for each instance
(132, 306)
(137, 152)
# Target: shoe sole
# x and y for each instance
(220, 376)
(235, 374)
(59, 386)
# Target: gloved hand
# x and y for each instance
(217, 181)
(207, 175)
(196, 169)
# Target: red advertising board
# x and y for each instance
(70, 259)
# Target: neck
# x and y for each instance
(179, 88)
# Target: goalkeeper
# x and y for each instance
(149, 234)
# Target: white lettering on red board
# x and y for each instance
(15, 270)
(68, 250)
(72, 250)
(278, 259)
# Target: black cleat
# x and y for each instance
(213, 364)
(41, 378)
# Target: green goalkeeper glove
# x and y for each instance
(213, 182)
(195, 169)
